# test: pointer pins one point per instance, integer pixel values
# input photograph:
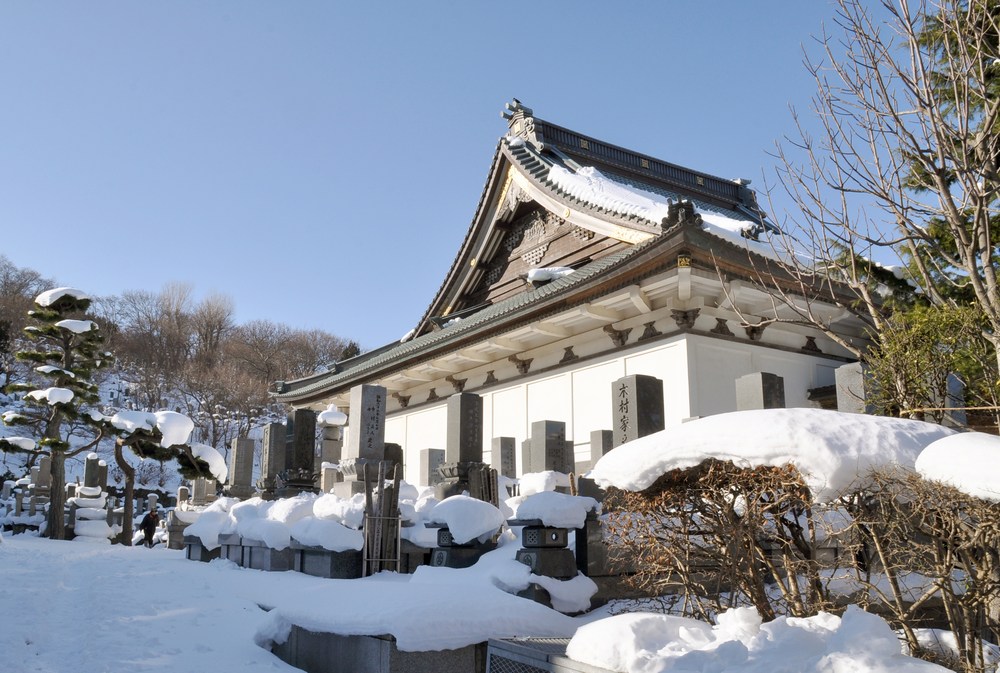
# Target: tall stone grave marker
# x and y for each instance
(760, 390)
(366, 438)
(853, 387)
(430, 463)
(299, 475)
(464, 447)
(273, 460)
(503, 457)
(547, 448)
(636, 407)
(241, 468)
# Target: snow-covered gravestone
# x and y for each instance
(299, 475)
(89, 516)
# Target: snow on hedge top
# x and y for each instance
(832, 450)
(967, 461)
(77, 326)
(50, 297)
(216, 463)
(642, 641)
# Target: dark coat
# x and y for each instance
(149, 522)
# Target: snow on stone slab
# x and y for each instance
(77, 326)
(348, 511)
(539, 482)
(467, 518)
(22, 443)
(328, 534)
(175, 427)
(832, 450)
(89, 491)
(50, 297)
(969, 461)
(290, 510)
(331, 416)
(52, 395)
(858, 642)
(207, 528)
(216, 463)
(560, 510)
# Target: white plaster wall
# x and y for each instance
(699, 376)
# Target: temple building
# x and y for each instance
(584, 263)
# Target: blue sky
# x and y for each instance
(319, 161)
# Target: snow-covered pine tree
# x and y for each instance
(65, 348)
(159, 436)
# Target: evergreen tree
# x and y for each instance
(161, 436)
(66, 351)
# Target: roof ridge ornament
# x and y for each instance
(680, 213)
(521, 122)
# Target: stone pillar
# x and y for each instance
(366, 438)
(547, 448)
(241, 468)
(430, 462)
(102, 474)
(760, 390)
(636, 407)
(955, 417)
(183, 493)
(601, 441)
(331, 444)
(503, 457)
(151, 500)
(299, 475)
(91, 471)
(274, 459)
(199, 492)
(464, 448)
(7, 491)
(853, 385)
(43, 485)
(328, 476)
(70, 491)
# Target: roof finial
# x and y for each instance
(514, 111)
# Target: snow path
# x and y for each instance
(113, 608)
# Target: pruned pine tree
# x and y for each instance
(162, 436)
(65, 349)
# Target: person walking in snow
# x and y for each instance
(148, 526)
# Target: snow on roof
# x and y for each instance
(968, 461)
(52, 395)
(548, 273)
(592, 186)
(832, 450)
(50, 297)
(216, 463)
(77, 326)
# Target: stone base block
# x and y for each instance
(194, 550)
(558, 563)
(456, 557)
(232, 548)
(259, 557)
(320, 562)
(332, 653)
(346, 489)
